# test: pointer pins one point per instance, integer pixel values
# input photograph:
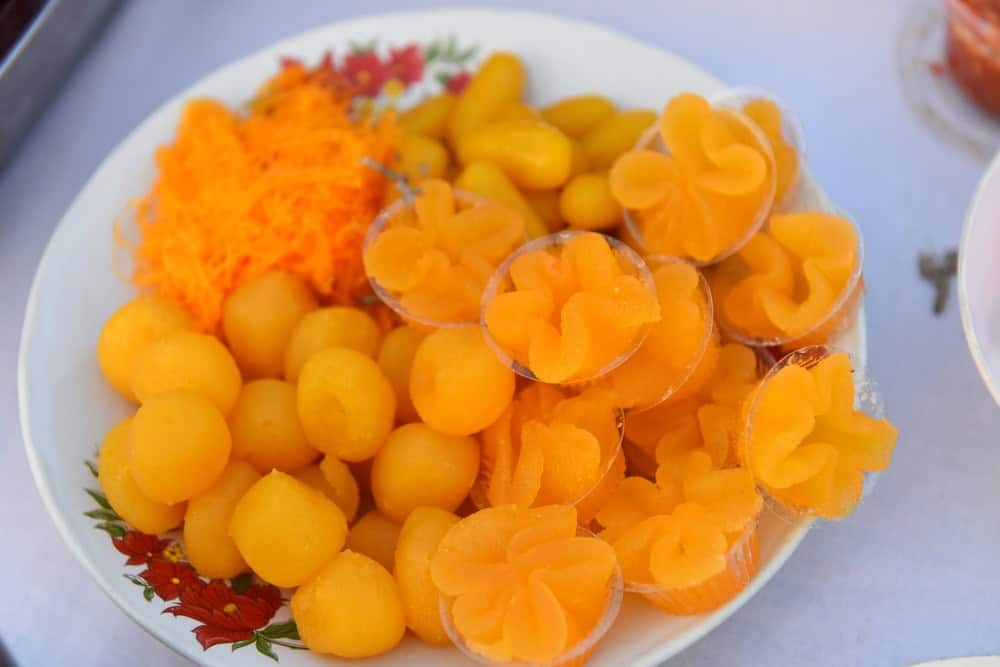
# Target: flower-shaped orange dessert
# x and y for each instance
(805, 441)
(522, 585)
(707, 193)
(550, 448)
(680, 351)
(687, 542)
(708, 420)
(768, 117)
(569, 307)
(431, 260)
(800, 280)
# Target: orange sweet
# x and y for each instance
(790, 279)
(708, 418)
(549, 448)
(687, 541)
(435, 258)
(675, 347)
(521, 585)
(767, 115)
(706, 194)
(805, 441)
(572, 307)
(456, 382)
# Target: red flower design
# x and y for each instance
(365, 71)
(226, 616)
(405, 64)
(457, 82)
(169, 580)
(139, 547)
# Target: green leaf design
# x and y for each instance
(449, 50)
(432, 52)
(103, 515)
(442, 78)
(91, 467)
(135, 580)
(112, 529)
(242, 643)
(280, 631)
(464, 56)
(99, 498)
(264, 647)
(240, 583)
(148, 593)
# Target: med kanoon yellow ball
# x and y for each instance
(190, 361)
(130, 329)
(350, 609)
(206, 523)
(418, 541)
(457, 384)
(258, 319)
(346, 405)
(336, 326)
(418, 466)
(286, 530)
(127, 500)
(180, 445)
(265, 427)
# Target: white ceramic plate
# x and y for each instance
(979, 278)
(66, 407)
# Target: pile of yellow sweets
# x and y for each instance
(577, 391)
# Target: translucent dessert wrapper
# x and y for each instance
(574, 656)
(382, 221)
(588, 503)
(651, 140)
(791, 128)
(742, 561)
(840, 318)
(867, 399)
(500, 282)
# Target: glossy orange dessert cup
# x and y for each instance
(813, 434)
(698, 184)
(552, 447)
(789, 270)
(782, 129)
(430, 254)
(742, 563)
(570, 307)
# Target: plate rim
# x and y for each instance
(969, 226)
(188, 650)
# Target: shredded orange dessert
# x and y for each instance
(280, 186)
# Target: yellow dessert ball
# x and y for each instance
(337, 326)
(333, 477)
(375, 535)
(187, 360)
(457, 384)
(180, 445)
(395, 358)
(258, 319)
(418, 541)
(286, 530)
(265, 427)
(206, 523)
(346, 405)
(418, 466)
(351, 608)
(140, 512)
(131, 328)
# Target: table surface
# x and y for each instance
(911, 577)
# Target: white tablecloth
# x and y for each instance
(913, 576)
